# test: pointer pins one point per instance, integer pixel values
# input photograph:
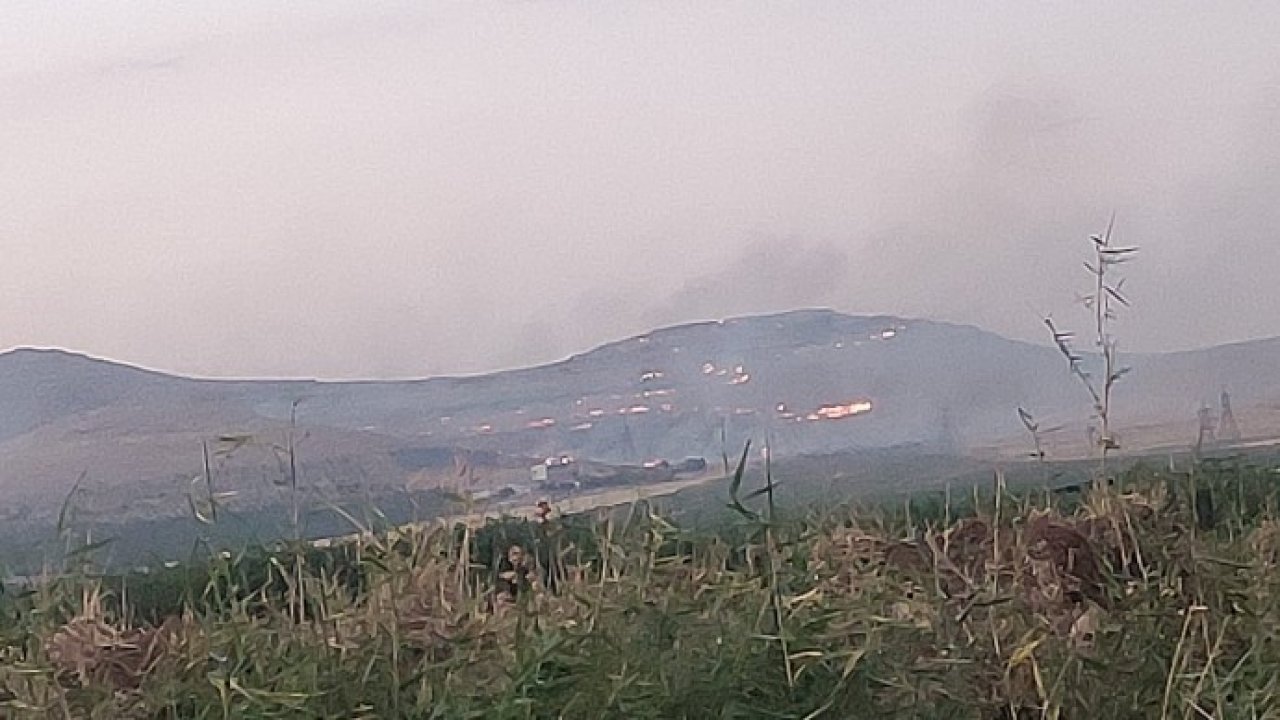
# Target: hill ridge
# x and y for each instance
(664, 330)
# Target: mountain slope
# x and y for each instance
(42, 386)
(808, 381)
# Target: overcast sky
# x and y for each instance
(365, 189)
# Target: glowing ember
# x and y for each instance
(836, 412)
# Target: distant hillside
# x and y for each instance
(38, 387)
(811, 381)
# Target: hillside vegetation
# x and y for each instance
(130, 441)
(1156, 596)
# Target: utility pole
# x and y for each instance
(1228, 430)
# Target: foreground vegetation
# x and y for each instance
(1156, 596)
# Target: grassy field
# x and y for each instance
(1156, 597)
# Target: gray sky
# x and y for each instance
(365, 189)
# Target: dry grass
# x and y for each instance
(1123, 607)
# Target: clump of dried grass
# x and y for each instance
(88, 649)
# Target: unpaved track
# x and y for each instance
(582, 503)
(568, 506)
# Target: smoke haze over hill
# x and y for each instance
(384, 189)
(806, 382)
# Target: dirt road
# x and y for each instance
(572, 505)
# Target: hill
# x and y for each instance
(810, 381)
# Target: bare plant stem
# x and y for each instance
(1102, 301)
